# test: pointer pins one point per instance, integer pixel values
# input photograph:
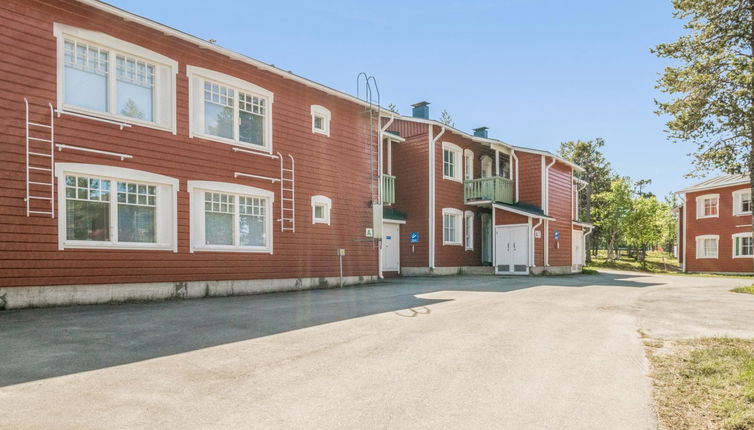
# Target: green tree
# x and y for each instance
(645, 224)
(446, 119)
(132, 109)
(611, 210)
(712, 84)
(393, 108)
(597, 174)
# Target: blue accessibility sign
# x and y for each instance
(413, 237)
(557, 235)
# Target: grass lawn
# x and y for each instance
(705, 384)
(656, 262)
(745, 290)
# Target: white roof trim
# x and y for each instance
(524, 213)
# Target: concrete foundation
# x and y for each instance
(552, 270)
(447, 271)
(65, 295)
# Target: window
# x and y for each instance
(451, 226)
(320, 120)
(742, 202)
(102, 76)
(468, 218)
(468, 164)
(230, 217)
(707, 206)
(451, 158)
(321, 207)
(229, 110)
(743, 245)
(706, 246)
(486, 166)
(111, 207)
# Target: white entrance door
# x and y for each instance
(578, 250)
(486, 239)
(512, 249)
(391, 247)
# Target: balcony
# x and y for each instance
(495, 189)
(388, 189)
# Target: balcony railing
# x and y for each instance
(388, 189)
(496, 189)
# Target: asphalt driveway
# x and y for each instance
(446, 352)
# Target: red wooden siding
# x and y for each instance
(28, 249)
(530, 176)
(560, 208)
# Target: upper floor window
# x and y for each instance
(486, 166)
(230, 217)
(468, 164)
(320, 120)
(103, 76)
(707, 206)
(451, 156)
(742, 202)
(321, 207)
(743, 245)
(228, 110)
(451, 226)
(706, 246)
(111, 207)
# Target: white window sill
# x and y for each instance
(322, 132)
(468, 249)
(450, 178)
(452, 244)
(743, 256)
(321, 221)
(246, 145)
(707, 258)
(255, 250)
(86, 244)
(741, 213)
(709, 216)
(115, 118)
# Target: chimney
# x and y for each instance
(480, 132)
(421, 110)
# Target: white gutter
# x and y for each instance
(534, 242)
(515, 159)
(685, 242)
(546, 208)
(583, 240)
(381, 130)
(432, 142)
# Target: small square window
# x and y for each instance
(321, 207)
(319, 122)
(319, 212)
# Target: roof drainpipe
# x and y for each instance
(432, 142)
(547, 212)
(380, 161)
(534, 242)
(515, 164)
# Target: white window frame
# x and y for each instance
(166, 69)
(196, 190)
(458, 219)
(457, 161)
(700, 251)
(166, 212)
(196, 77)
(700, 206)
(468, 230)
(738, 202)
(738, 236)
(468, 164)
(324, 113)
(486, 160)
(324, 201)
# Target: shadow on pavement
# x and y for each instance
(43, 343)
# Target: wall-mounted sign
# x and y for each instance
(413, 237)
(557, 235)
(537, 234)
(369, 232)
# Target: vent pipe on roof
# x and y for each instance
(420, 110)
(480, 132)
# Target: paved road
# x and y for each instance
(451, 352)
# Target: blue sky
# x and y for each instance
(536, 72)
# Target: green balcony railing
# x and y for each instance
(496, 189)
(388, 189)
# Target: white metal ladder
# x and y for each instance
(40, 162)
(287, 195)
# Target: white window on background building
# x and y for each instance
(707, 246)
(321, 207)
(106, 77)
(707, 206)
(451, 161)
(743, 245)
(742, 202)
(452, 226)
(110, 207)
(468, 230)
(229, 110)
(320, 120)
(230, 217)
(468, 164)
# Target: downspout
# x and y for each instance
(432, 142)
(546, 208)
(583, 240)
(380, 161)
(515, 163)
(685, 241)
(534, 243)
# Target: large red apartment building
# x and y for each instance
(140, 162)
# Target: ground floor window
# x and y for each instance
(451, 226)
(468, 218)
(103, 206)
(706, 246)
(230, 217)
(743, 245)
